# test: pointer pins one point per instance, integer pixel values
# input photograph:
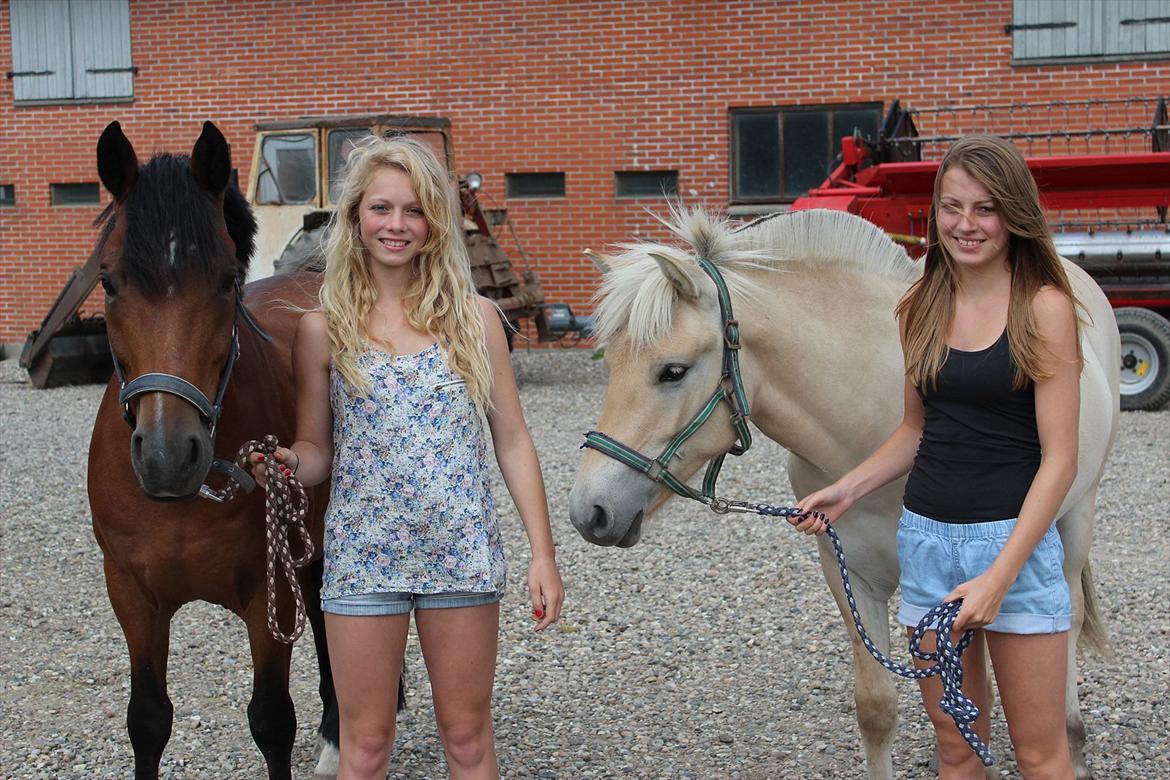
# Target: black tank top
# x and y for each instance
(980, 449)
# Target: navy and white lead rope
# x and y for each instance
(947, 659)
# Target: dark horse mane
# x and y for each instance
(167, 204)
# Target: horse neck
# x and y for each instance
(822, 363)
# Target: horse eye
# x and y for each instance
(227, 285)
(107, 285)
(672, 373)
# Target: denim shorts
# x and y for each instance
(936, 557)
(400, 603)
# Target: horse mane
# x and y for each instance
(167, 205)
(636, 297)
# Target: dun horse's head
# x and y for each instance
(174, 253)
(659, 320)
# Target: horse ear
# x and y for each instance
(116, 162)
(598, 261)
(679, 279)
(211, 160)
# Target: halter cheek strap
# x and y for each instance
(730, 389)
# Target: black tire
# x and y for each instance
(1145, 359)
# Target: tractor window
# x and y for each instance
(341, 143)
(288, 169)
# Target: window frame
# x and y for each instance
(71, 41)
(516, 177)
(832, 140)
(1094, 30)
(69, 194)
(658, 174)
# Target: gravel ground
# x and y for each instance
(710, 650)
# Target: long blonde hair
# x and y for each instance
(440, 298)
(929, 306)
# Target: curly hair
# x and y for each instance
(440, 298)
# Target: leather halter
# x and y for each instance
(730, 389)
(209, 411)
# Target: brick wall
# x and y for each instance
(581, 87)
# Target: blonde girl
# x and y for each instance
(989, 439)
(394, 374)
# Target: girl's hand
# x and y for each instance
(982, 597)
(282, 455)
(546, 590)
(830, 503)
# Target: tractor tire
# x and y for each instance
(1145, 359)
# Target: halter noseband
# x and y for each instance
(209, 411)
(730, 389)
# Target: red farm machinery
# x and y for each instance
(1103, 170)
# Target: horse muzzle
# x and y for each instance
(604, 518)
(170, 457)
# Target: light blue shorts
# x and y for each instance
(936, 557)
(399, 603)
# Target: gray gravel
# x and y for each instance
(710, 650)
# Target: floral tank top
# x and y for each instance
(410, 508)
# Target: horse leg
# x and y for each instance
(328, 736)
(149, 714)
(1076, 526)
(271, 715)
(874, 693)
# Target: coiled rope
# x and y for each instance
(285, 507)
(947, 658)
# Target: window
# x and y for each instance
(288, 169)
(535, 185)
(777, 154)
(1088, 31)
(84, 194)
(645, 184)
(7, 195)
(71, 50)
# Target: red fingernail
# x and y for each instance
(539, 613)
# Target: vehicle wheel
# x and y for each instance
(1145, 359)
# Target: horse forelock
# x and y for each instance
(635, 297)
(172, 229)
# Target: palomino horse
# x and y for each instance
(814, 294)
(175, 249)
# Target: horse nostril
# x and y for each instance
(136, 446)
(599, 522)
(194, 450)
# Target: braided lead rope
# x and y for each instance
(941, 619)
(285, 507)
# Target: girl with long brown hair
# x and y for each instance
(989, 432)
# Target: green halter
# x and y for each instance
(730, 389)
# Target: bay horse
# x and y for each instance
(821, 373)
(175, 247)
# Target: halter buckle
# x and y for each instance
(731, 333)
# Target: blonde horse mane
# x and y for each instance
(637, 297)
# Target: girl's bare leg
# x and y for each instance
(459, 646)
(366, 654)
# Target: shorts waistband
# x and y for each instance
(981, 530)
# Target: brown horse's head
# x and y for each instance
(174, 253)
